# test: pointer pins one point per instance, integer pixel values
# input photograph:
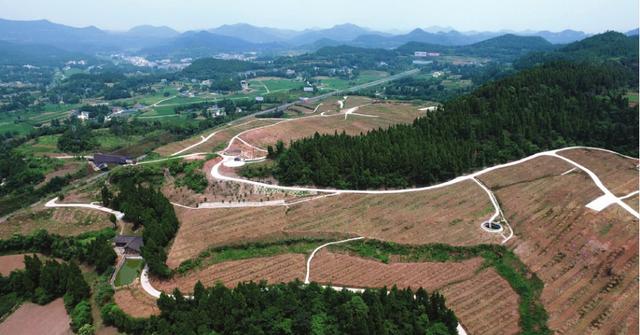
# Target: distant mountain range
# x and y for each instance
(164, 41)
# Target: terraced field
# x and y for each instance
(449, 215)
(385, 115)
(275, 269)
(583, 257)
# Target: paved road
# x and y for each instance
(52, 203)
(553, 153)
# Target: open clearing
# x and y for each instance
(63, 221)
(387, 114)
(587, 259)
(619, 174)
(32, 319)
(282, 268)
(449, 215)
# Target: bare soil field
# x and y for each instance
(449, 215)
(618, 174)
(588, 260)
(354, 100)
(32, 319)
(201, 229)
(351, 271)
(218, 141)
(389, 114)
(63, 221)
(537, 168)
(282, 268)
(69, 167)
(633, 202)
(134, 301)
(10, 263)
(484, 304)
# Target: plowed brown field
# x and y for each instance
(484, 304)
(201, 229)
(63, 221)
(275, 269)
(588, 260)
(617, 173)
(448, 215)
(32, 319)
(451, 215)
(135, 301)
(350, 271)
(388, 114)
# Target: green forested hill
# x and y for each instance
(551, 106)
(609, 46)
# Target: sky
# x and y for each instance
(487, 15)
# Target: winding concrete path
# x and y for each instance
(610, 198)
(52, 204)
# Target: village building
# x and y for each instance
(129, 245)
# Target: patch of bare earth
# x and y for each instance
(201, 229)
(10, 263)
(274, 269)
(63, 221)
(32, 319)
(617, 173)
(450, 215)
(587, 260)
(484, 304)
(351, 271)
(633, 202)
(134, 301)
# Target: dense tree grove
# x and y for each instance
(146, 206)
(292, 308)
(552, 106)
(82, 248)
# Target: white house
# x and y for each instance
(308, 89)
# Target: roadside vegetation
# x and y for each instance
(247, 251)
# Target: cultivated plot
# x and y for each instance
(583, 257)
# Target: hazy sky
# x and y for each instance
(587, 15)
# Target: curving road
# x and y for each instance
(52, 204)
(610, 198)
